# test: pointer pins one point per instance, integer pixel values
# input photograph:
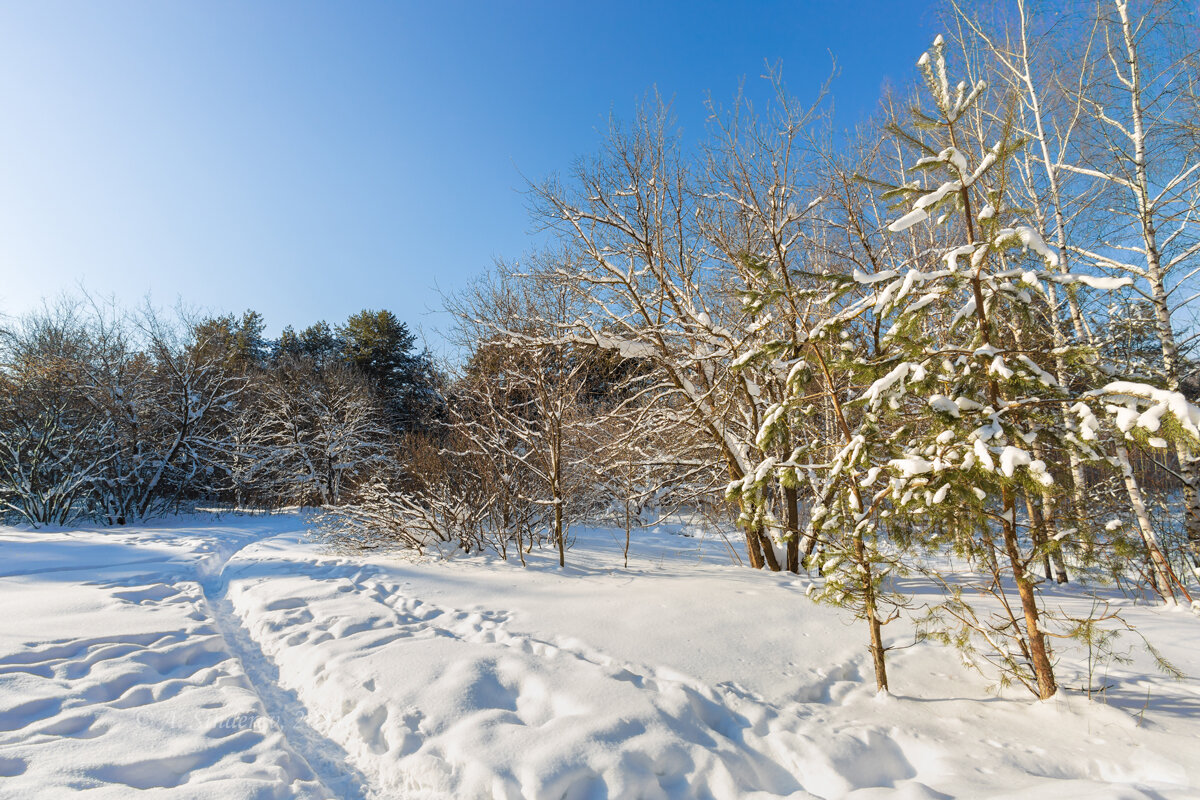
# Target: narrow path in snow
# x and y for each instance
(324, 756)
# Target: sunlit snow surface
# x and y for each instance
(228, 657)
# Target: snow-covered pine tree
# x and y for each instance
(938, 412)
(938, 444)
(985, 376)
(968, 378)
(843, 524)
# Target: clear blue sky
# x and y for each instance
(312, 159)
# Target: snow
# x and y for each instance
(952, 256)
(871, 476)
(770, 418)
(1160, 401)
(1031, 240)
(966, 404)
(626, 348)
(1011, 458)
(897, 375)
(911, 466)
(945, 404)
(919, 214)
(951, 156)
(998, 367)
(231, 657)
(867, 279)
(967, 310)
(984, 456)
(1089, 424)
(1126, 418)
(1104, 284)
(1044, 377)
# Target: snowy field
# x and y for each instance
(228, 657)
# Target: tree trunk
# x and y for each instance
(1039, 654)
(556, 489)
(1037, 533)
(628, 522)
(754, 548)
(1160, 569)
(793, 528)
(768, 549)
(1191, 504)
(1056, 556)
(558, 533)
(810, 546)
(878, 651)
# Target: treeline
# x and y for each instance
(116, 416)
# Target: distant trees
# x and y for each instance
(381, 348)
(239, 342)
(322, 430)
(121, 416)
(511, 464)
(48, 458)
(317, 342)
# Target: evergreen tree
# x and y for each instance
(383, 350)
(239, 341)
(320, 343)
(287, 345)
(962, 388)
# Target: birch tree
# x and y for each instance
(1142, 153)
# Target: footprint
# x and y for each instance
(284, 604)
(370, 728)
(11, 767)
(155, 593)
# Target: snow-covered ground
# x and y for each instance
(229, 657)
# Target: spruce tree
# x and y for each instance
(382, 348)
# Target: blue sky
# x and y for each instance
(311, 159)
